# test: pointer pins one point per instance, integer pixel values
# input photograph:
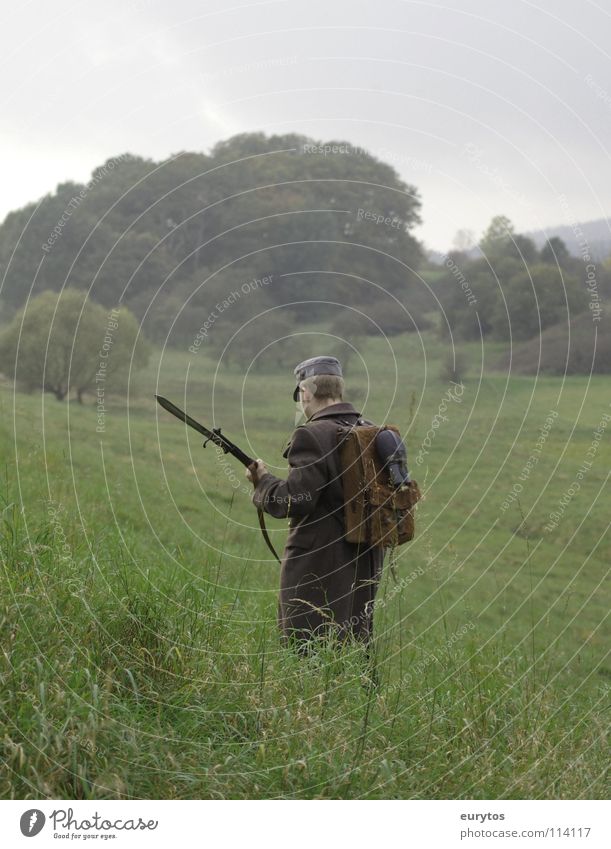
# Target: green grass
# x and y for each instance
(140, 654)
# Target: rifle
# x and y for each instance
(228, 447)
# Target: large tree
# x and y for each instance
(329, 220)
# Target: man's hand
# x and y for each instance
(255, 472)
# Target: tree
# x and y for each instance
(534, 300)
(500, 232)
(464, 240)
(122, 351)
(500, 240)
(555, 252)
(327, 225)
(58, 343)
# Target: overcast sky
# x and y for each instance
(486, 107)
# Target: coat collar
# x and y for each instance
(341, 409)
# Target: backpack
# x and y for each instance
(379, 497)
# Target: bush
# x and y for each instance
(582, 347)
(386, 318)
(266, 344)
(453, 367)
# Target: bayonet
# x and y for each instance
(216, 437)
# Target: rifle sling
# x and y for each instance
(268, 541)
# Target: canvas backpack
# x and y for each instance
(378, 506)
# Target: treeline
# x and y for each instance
(237, 251)
(169, 240)
(548, 307)
(513, 291)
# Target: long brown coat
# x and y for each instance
(326, 583)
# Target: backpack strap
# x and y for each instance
(360, 421)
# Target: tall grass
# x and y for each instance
(116, 688)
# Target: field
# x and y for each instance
(140, 654)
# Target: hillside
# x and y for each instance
(581, 346)
(593, 236)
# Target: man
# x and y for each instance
(326, 583)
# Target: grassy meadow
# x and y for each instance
(140, 657)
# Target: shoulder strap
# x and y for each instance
(358, 422)
(268, 541)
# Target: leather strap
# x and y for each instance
(268, 541)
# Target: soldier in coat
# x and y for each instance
(326, 583)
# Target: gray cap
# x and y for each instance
(316, 365)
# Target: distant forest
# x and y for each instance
(308, 226)
(169, 239)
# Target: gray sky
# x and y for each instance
(486, 107)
